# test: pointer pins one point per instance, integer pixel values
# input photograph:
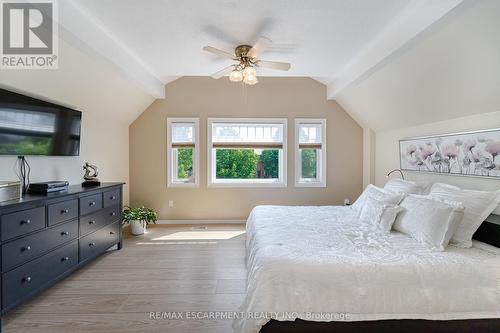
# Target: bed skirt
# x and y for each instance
(386, 326)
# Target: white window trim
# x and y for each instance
(246, 183)
(299, 182)
(196, 153)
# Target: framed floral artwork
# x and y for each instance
(468, 154)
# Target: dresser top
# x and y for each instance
(72, 189)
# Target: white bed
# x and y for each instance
(325, 261)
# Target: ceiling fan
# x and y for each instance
(247, 58)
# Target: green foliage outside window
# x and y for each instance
(185, 163)
(246, 163)
(236, 163)
(270, 164)
(309, 163)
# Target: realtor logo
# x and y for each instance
(29, 34)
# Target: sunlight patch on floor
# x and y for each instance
(175, 243)
(210, 234)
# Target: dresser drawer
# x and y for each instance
(22, 250)
(90, 204)
(111, 198)
(31, 277)
(23, 222)
(99, 241)
(96, 221)
(62, 211)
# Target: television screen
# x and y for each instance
(29, 126)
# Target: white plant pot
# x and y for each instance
(137, 227)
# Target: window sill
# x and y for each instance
(185, 185)
(310, 184)
(247, 183)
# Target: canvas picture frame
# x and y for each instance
(475, 154)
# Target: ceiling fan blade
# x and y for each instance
(259, 47)
(222, 72)
(281, 66)
(218, 52)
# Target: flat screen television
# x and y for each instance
(29, 126)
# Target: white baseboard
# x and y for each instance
(200, 222)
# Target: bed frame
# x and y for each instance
(488, 232)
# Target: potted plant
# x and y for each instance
(138, 218)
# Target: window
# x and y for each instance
(247, 152)
(310, 152)
(183, 153)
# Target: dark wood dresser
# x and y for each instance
(46, 237)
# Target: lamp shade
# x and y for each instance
(250, 80)
(249, 72)
(236, 76)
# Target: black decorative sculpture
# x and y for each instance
(90, 175)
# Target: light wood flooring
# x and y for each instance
(171, 268)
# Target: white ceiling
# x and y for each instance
(317, 36)
(451, 71)
(358, 48)
(332, 41)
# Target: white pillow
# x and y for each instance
(478, 206)
(378, 193)
(454, 226)
(404, 186)
(428, 220)
(379, 214)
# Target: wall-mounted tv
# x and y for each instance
(29, 126)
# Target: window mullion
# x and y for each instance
(259, 141)
(310, 144)
(182, 149)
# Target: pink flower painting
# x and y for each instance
(473, 153)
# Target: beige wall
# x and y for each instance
(273, 97)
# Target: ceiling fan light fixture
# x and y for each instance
(248, 58)
(250, 80)
(249, 72)
(236, 76)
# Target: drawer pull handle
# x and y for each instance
(111, 232)
(91, 222)
(64, 258)
(64, 211)
(91, 244)
(112, 214)
(92, 203)
(27, 279)
(26, 248)
(112, 197)
(28, 221)
(64, 233)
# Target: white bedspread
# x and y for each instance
(323, 260)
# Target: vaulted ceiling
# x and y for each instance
(333, 41)
(389, 63)
(451, 70)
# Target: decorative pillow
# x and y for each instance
(478, 205)
(404, 186)
(460, 215)
(428, 220)
(379, 214)
(378, 193)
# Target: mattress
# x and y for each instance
(322, 263)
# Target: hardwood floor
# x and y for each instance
(171, 268)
